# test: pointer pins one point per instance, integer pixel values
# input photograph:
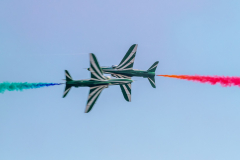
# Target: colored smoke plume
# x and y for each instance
(21, 86)
(224, 81)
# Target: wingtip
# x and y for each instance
(86, 109)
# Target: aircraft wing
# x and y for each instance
(93, 96)
(120, 76)
(128, 59)
(126, 90)
(95, 69)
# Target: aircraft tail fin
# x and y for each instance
(95, 69)
(152, 81)
(153, 67)
(68, 76)
(128, 59)
(67, 89)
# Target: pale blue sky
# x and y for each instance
(177, 120)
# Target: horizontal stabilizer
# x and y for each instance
(67, 89)
(152, 81)
(68, 76)
(153, 67)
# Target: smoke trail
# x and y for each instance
(213, 80)
(21, 86)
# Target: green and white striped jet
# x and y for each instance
(97, 83)
(125, 68)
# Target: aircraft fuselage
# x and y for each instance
(91, 83)
(130, 73)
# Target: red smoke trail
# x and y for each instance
(224, 81)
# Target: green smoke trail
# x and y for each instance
(7, 86)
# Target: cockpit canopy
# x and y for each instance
(114, 66)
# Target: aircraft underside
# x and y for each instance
(122, 73)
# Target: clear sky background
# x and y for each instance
(178, 120)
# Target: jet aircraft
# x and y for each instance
(97, 83)
(125, 68)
